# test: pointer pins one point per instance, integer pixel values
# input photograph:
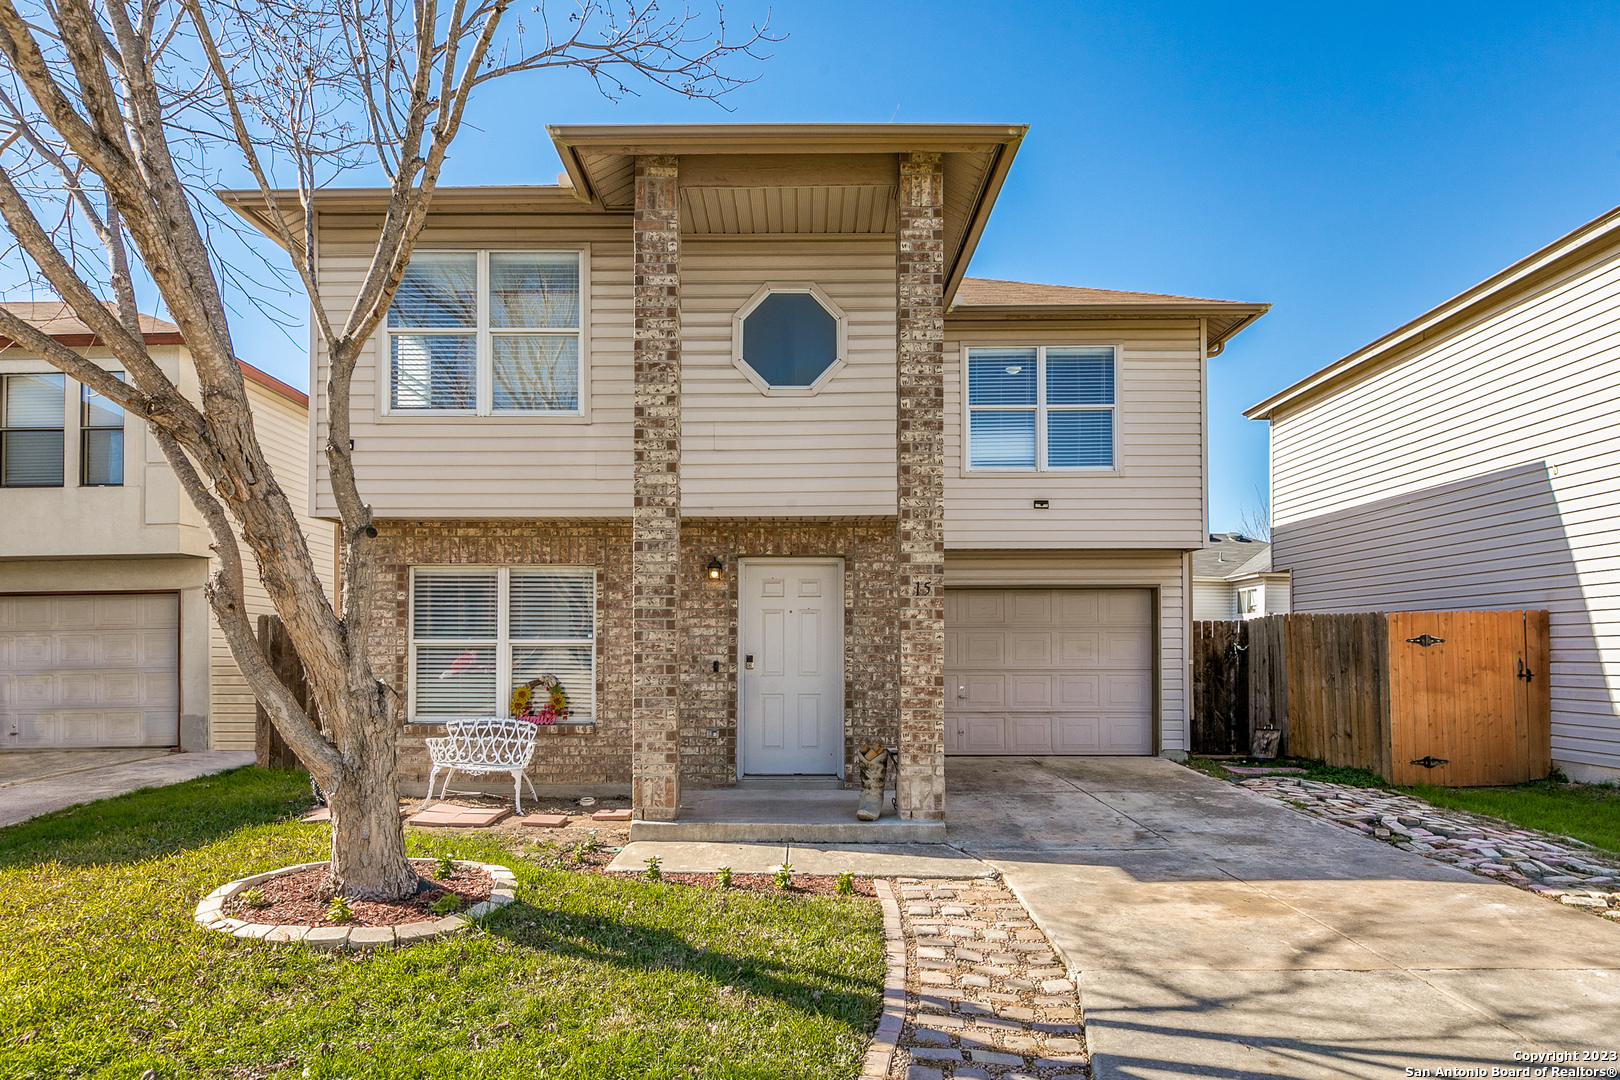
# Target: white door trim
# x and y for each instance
(742, 613)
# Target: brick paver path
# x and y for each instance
(985, 994)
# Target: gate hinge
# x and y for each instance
(1426, 640)
(1429, 761)
(1524, 673)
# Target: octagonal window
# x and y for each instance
(789, 339)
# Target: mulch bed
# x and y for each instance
(565, 857)
(295, 900)
(803, 884)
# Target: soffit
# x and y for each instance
(738, 179)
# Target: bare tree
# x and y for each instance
(1256, 520)
(112, 111)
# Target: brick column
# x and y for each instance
(656, 529)
(920, 384)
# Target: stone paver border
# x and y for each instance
(210, 915)
(881, 1053)
(1542, 863)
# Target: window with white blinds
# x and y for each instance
(487, 332)
(478, 631)
(32, 408)
(1041, 408)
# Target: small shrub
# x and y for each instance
(585, 846)
(846, 883)
(784, 876)
(654, 871)
(339, 910)
(722, 877)
(255, 898)
(444, 867)
(447, 904)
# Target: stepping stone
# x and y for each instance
(924, 1053)
(460, 817)
(611, 815)
(545, 821)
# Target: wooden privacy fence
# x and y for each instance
(1456, 698)
(269, 748)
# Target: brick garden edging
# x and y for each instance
(887, 1036)
(210, 915)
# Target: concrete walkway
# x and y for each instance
(1216, 933)
(60, 789)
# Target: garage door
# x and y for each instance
(90, 670)
(1048, 671)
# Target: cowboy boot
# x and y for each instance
(874, 773)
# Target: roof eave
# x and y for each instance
(1529, 272)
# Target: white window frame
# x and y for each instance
(1041, 410)
(70, 425)
(503, 640)
(841, 339)
(484, 363)
(1258, 592)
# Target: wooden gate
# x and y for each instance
(1220, 688)
(1469, 700)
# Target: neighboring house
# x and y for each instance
(718, 434)
(1470, 460)
(106, 639)
(1232, 579)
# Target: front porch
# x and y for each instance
(785, 813)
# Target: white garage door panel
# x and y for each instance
(93, 670)
(1049, 671)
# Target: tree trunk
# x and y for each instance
(368, 837)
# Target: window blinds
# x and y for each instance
(478, 632)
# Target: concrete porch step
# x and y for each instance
(885, 831)
(783, 816)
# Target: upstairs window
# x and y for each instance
(789, 339)
(486, 332)
(1046, 408)
(476, 632)
(101, 440)
(31, 430)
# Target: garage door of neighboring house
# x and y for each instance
(90, 670)
(1048, 671)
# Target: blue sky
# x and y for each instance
(1351, 165)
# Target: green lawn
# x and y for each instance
(1589, 812)
(103, 974)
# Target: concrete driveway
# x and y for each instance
(40, 783)
(1215, 933)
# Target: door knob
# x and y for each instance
(750, 662)
(961, 691)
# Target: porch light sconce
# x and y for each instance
(716, 568)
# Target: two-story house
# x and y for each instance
(717, 432)
(106, 639)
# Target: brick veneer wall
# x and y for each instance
(709, 631)
(920, 385)
(602, 757)
(655, 711)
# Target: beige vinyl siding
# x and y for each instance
(492, 466)
(746, 453)
(1154, 498)
(1214, 601)
(281, 426)
(1480, 470)
(1157, 570)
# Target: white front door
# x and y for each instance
(791, 676)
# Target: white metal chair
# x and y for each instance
(483, 745)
